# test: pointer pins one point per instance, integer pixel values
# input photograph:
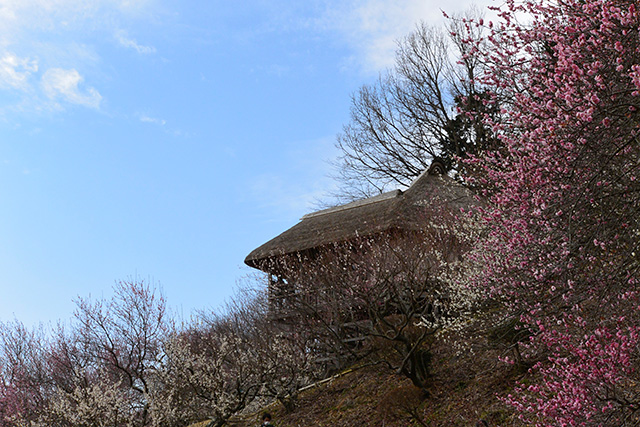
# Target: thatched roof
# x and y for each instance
(401, 210)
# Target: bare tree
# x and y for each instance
(428, 106)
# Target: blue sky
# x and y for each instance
(164, 140)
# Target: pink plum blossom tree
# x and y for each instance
(565, 202)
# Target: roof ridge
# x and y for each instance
(355, 204)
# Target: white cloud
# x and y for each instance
(125, 41)
(373, 27)
(147, 119)
(49, 47)
(15, 72)
(65, 84)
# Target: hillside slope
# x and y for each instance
(466, 386)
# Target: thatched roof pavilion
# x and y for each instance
(395, 210)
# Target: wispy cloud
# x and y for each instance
(162, 125)
(15, 72)
(48, 49)
(58, 83)
(129, 43)
(153, 120)
(372, 27)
